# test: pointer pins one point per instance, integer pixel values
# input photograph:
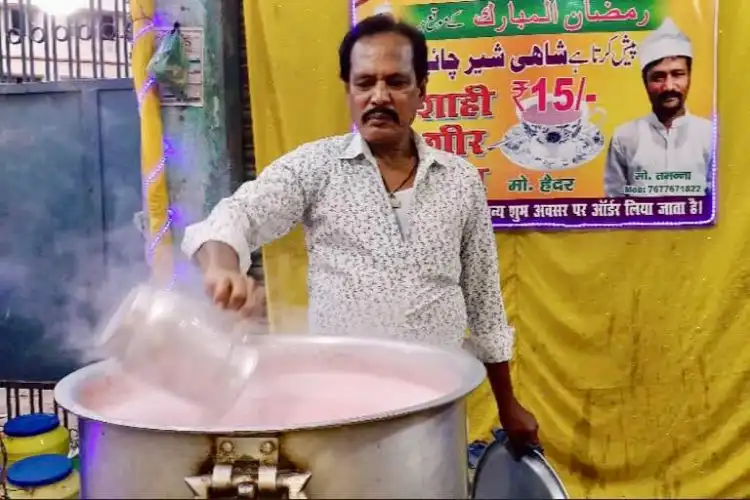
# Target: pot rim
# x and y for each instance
(471, 371)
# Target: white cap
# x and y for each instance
(384, 8)
(666, 41)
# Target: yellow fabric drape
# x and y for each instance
(631, 344)
(152, 147)
(296, 97)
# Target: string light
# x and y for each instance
(153, 242)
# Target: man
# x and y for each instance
(399, 236)
(668, 152)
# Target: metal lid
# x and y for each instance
(31, 425)
(39, 470)
(499, 475)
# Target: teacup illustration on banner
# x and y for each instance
(553, 139)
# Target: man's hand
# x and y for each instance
(520, 426)
(234, 291)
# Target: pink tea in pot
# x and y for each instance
(288, 390)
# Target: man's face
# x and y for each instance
(384, 95)
(668, 83)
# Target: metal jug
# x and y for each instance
(185, 346)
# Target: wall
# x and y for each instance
(631, 345)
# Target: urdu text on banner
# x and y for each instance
(577, 113)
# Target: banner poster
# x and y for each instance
(577, 113)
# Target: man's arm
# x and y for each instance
(615, 170)
(259, 212)
(491, 337)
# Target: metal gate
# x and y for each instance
(69, 179)
(60, 40)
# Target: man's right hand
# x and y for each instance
(234, 291)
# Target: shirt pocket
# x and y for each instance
(438, 222)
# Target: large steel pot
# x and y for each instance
(416, 451)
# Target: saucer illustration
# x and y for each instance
(528, 153)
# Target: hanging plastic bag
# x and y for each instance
(169, 64)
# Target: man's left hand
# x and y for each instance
(520, 426)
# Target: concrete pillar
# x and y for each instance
(207, 160)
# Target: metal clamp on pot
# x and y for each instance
(249, 468)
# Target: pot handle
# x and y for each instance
(502, 437)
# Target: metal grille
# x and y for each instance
(248, 143)
(21, 398)
(58, 40)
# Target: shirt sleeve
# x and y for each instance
(615, 178)
(491, 338)
(259, 212)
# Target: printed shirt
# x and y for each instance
(365, 278)
(647, 159)
(405, 199)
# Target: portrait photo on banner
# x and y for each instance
(576, 113)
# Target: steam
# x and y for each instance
(97, 287)
(60, 281)
(60, 276)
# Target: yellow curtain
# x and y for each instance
(292, 51)
(631, 345)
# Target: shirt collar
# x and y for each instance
(358, 148)
(677, 123)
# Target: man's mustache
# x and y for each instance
(386, 111)
(669, 94)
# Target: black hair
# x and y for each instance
(650, 66)
(375, 25)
